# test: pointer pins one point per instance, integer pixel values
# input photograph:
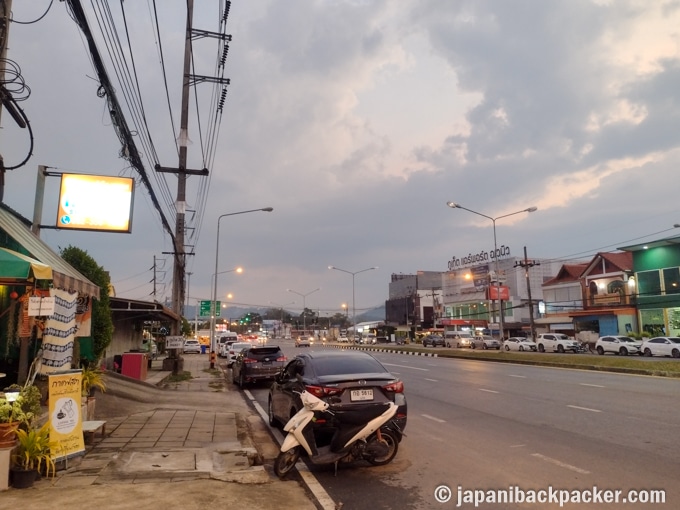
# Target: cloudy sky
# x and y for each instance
(357, 121)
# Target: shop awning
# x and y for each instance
(64, 276)
(15, 265)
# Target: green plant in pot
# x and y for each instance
(33, 453)
(93, 378)
(19, 405)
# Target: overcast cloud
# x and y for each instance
(357, 121)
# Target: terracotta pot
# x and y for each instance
(8, 434)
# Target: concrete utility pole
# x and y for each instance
(526, 264)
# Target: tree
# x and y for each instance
(102, 322)
(186, 328)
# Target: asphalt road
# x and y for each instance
(482, 425)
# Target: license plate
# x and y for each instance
(357, 395)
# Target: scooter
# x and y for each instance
(365, 434)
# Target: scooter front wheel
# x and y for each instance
(390, 440)
(286, 461)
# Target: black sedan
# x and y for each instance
(345, 379)
(257, 363)
(433, 340)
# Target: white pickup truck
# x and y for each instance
(556, 342)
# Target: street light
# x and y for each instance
(454, 205)
(354, 310)
(304, 306)
(214, 293)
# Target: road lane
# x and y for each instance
(537, 430)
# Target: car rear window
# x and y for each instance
(262, 352)
(347, 365)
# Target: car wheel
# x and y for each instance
(560, 349)
(241, 380)
(623, 351)
(675, 353)
(648, 352)
(458, 346)
(485, 347)
(233, 377)
(600, 350)
(272, 419)
(448, 344)
(541, 348)
(521, 348)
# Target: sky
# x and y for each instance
(357, 121)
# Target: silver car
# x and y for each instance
(485, 342)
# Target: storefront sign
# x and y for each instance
(66, 421)
(472, 259)
(40, 306)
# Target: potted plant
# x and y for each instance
(92, 379)
(34, 452)
(18, 407)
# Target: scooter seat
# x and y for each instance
(361, 415)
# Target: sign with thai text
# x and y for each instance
(472, 259)
(65, 417)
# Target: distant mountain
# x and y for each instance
(234, 312)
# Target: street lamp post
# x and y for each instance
(214, 293)
(454, 205)
(354, 310)
(304, 306)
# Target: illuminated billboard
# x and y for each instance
(95, 202)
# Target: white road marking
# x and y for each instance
(405, 366)
(592, 385)
(433, 418)
(585, 409)
(431, 380)
(487, 391)
(560, 463)
(518, 376)
(517, 445)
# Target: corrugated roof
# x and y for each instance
(64, 276)
(567, 273)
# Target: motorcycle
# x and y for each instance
(364, 434)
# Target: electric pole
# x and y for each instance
(526, 264)
(4, 37)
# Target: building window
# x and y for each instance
(649, 283)
(652, 321)
(671, 280)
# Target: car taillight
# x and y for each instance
(249, 360)
(281, 358)
(396, 387)
(322, 391)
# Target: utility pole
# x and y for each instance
(526, 264)
(4, 34)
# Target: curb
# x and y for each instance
(378, 349)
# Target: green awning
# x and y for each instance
(15, 265)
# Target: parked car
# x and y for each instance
(519, 343)
(369, 339)
(433, 340)
(345, 379)
(343, 339)
(662, 346)
(257, 363)
(223, 348)
(556, 342)
(485, 342)
(235, 349)
(623, 345)
(191, 346)
(304, 341)
(459, 339)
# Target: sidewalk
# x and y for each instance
(167, 445)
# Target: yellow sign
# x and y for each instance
(66, 421)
